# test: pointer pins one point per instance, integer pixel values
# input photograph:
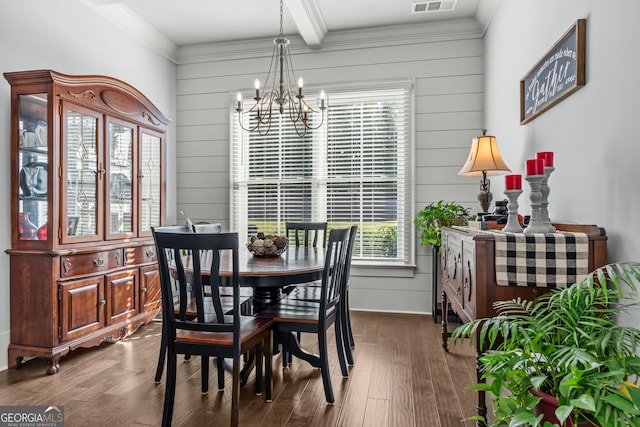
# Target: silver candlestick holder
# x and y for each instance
(536, 223)
(513, 225)
(544, 204)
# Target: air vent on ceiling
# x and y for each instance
(433, 6)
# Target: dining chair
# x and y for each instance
(311, 292)
(187, 228)
(207, 228)
(211, 332)
(309, 232)
(293, 316)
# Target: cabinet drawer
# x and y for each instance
(140, 255)
(76, 265)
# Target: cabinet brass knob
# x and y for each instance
(149, 253)
(98, 262)
(144, 290)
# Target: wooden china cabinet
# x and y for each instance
(87, 185)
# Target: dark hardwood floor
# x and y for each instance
(401, 377)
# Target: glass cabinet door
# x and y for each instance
(82, 170)
(150, 181)
(33, 211)
(120, 144)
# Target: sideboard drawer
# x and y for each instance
(80, 264)
(141, 255)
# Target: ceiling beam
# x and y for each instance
(306, 14)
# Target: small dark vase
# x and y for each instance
(26, 229)
(501, 207)
(548, 406)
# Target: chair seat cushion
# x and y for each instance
(226, 301)
(294, 311)
(305, 293)
(249, 327)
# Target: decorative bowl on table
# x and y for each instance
(262, 245)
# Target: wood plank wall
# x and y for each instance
(445, 61)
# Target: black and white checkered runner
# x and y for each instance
(542, 260)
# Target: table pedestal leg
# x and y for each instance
(264, 296)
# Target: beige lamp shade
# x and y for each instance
(484, 157)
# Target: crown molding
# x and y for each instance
(486, 11)
(339, 40)
(138, 28)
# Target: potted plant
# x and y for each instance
(436, 215)
(565, 345)
(429, 222)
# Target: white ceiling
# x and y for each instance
(189, 22)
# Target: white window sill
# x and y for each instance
(364, 269)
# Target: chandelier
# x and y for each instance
(279, 95)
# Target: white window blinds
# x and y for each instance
(355, 169)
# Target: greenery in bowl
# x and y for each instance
(565, 343)
(436, 215)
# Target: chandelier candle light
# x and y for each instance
(279, 94)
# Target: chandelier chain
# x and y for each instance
(281, 21)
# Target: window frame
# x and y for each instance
(407, 259)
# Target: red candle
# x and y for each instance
(547, 156)
(513, 182)
(535, 167)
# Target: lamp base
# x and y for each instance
(485, 197)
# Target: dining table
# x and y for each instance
(268, 276)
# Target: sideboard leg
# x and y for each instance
(445, 330)
(482, 403)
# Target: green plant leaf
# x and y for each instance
(584, 401)
(537, 381)
(634, 392)
(563, 412)
(525, 419)
(480, 387)
(621, 403)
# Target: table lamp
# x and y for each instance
(484, 159)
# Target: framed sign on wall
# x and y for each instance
(559, 73)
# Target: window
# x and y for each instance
(355, 169)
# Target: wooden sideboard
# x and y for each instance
(469, 276)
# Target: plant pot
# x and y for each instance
(547, 406)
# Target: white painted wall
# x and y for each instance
(70, 37)
(446, 62)
(593, 132)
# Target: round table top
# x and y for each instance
(295, 260)
(295, 265)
